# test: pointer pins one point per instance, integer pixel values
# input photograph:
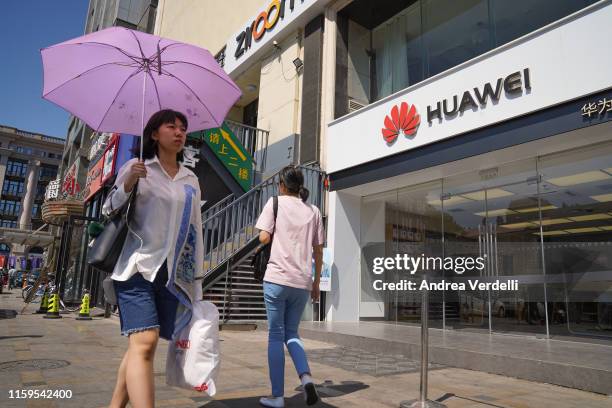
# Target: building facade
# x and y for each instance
(465, 128)
(483, 132)
(28, 162)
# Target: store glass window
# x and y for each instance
(513, 19)
(545, 222)
(454, 32)
(389, 45)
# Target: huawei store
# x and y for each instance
(506, 157)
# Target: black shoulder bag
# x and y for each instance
(262, 253)
(104, 250)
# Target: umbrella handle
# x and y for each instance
(144, 89)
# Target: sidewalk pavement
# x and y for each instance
(83, 356)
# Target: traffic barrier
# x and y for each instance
(44, 302)
(84, 311)
(53, 309)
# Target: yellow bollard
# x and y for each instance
(84, 312)
(44, 302)
(53, 309)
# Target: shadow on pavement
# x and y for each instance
(326, 390)
(32, 336)
(7, 314)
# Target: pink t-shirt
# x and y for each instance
(298, 228)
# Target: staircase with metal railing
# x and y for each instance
(230, 239)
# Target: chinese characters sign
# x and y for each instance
(228, 149)
(70, 186)
(598, 108)
(190, 156)
(53, 188)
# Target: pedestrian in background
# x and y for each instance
(288, 282)
(164, 247)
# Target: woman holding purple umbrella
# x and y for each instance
(154, 278)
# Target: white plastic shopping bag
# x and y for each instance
(193, 356)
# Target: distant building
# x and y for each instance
(28, 162)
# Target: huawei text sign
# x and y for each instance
(512, 84)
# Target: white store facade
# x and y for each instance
(507, 154)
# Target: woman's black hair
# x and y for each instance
(293, 180)
(150, 147)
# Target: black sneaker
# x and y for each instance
(310, 394)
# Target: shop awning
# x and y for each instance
(26, 237)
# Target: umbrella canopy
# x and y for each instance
(116, 79)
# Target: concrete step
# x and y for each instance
(585, 366)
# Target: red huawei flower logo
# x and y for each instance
(401, 120)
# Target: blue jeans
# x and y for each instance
(284, 307)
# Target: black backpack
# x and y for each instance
(262, 253)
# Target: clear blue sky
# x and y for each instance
(26, 26)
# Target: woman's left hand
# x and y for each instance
(314, 293)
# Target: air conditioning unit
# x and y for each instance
(354, 105)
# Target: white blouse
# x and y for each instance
(167, 219)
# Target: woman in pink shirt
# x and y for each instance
(288, 283)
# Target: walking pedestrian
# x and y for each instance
(11, 273)
(163, 250)
(297, 236)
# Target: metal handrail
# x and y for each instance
(217, 207)
(227, 231)
(254, 140)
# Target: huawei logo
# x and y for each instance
(404, 120)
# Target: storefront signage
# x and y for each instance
(273, 17)
(513, 84)
(597, 109)
(264, 22)
(109, 160)
(94, 179)
(53, 189)
(403, 120)
(190, 155)
(99, 144)
(71, 187)
(228, 149)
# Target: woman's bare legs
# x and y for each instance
(139, 368)
(120, 395)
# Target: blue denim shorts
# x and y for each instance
(144, 305)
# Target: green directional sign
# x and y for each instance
(231, 153)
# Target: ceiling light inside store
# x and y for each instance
(519, 225)
(582, 230)
(490, 194)
(549, 233)
(580, 178)
(553, 221)
(591, 217)
(534, 209)
(602, 198)
(495, 213)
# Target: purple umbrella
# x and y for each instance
(115, 79)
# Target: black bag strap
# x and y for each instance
(275, 208)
